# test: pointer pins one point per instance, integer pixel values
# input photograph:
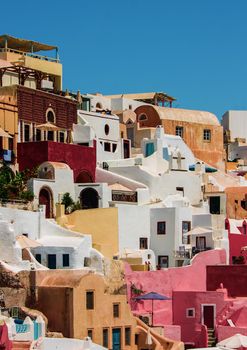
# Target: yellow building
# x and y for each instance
(101, 223)
(21, 64)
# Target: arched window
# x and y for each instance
(142, 117)
(99, 105)
(107, 129)
(50, 115)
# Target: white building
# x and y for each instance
(235, 124)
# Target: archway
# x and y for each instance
(89, 198)
(45, 198)
(84, 177)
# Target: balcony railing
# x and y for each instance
(29, 54)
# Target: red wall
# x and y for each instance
(79, 158)
(233, 277)
(33, 104)
(236, 242)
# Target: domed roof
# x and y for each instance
(186, 115)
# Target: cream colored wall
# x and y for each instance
(101, 223)
(53, 68)
(102, 314)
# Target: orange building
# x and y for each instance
(81, 303)
(200, 130)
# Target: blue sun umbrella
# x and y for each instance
(152, 296)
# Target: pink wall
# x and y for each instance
(187, 278)
(191, 326)
(225, 332)
(79, 158)
(236, 242)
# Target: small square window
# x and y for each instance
(38, 258)
(190, 313)
(207, 135)
(161, 228)
(90, 333)
(66, 260)
(90, 300)
(179, 131)
(143, 243)
(115, 310)
(105, 338)
(107, 146)
(127, 336)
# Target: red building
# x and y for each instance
(81, 159)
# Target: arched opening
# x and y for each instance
(89, 198)
(84, 177)
(46, 198)
(50, 115)
(99, 105)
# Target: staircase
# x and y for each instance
(211, 338)
(21, 345)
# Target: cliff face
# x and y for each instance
(14, 288)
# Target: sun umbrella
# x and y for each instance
(152, 296)
(234, 342)
(47, 126)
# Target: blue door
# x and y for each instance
(116, 339)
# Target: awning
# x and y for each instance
(26, 242)
(198, 231)
(4, 134)
(24, 45)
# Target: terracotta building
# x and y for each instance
(200, 130)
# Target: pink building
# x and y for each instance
(200, 311)
(237, 233)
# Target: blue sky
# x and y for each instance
(194, 50)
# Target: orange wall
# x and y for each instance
(234, 196)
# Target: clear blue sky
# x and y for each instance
(195, 50)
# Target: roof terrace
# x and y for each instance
(27, 48)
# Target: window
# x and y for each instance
(90, 300)
(180, 190)
(190, 313)
(143, 243)
(65, 260)
(11, 143)
(26, 132)
(99, 105)
(201, 243)
(50, 116)
(38, 135)
(142, 117)
(105, 338)
(50, 135)
(107, 129)
(90, 333)
(136, 339)
(179, 131)
(207, 135)
(127, 335)
(122, 134)
(186, 225)
(130, 107)
(114, 147)
(38, 258)
(115, 310)
(61, 136)
(163, 261)
(161, 228)
(107, 146)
